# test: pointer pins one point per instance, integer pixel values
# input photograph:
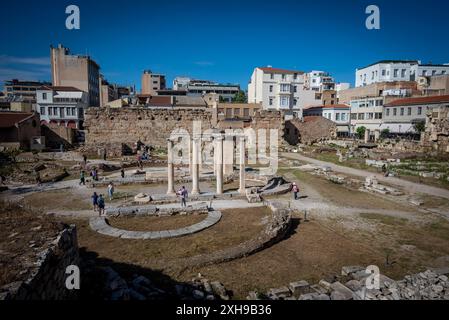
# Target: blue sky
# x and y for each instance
(220, 40)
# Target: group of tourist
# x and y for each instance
(98, 203)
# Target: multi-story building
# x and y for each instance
(63, 106)
(108, 92)
(22, 90)
(152, 82)
(338, 113)
(280, 89)
(397, 70)
(196, 87)
(76, 71)
(434, 86)
(400, 116)
(319, 81)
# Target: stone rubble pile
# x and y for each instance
(141, 288)
(351, 285)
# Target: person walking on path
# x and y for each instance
(295, 190)
(111, 191)
(183, 194)
(95, 201)
(82, 178)
(100, 205)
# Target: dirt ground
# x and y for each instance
(23, 235)
(156, 223)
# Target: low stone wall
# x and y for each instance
(276, 229)
(101, 225)
(47, 279)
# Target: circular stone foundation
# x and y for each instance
(101, 225)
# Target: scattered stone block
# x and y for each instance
(299, 287)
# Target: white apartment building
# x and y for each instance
(397, 70)
(319, 81)
(280, 89)
(63, 106)
(400, 116)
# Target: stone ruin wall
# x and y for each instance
(436, 136)
(48, 275)
(117, 130)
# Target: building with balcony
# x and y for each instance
(281, 89)
(397, 70)
(15, 90)
(196, 87)
(63, 106)
(76, 71)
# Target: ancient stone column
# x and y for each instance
(367, 135)
(171, 168)
(242, 188)
(376, 135)
(195, 165)
(219, 162)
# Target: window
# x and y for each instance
(337, 116)
(271, 76)
(61, 112)
(434, 72)
(383, 72)
(443, 72)
(403, 73)
(295, 89)
(285, 88)
(419, 111)
(295, 102)
(246, 112)
(271, 88)
(271, 102)
(283, 77)
(295, 76)
(387, 112)
(361, 116)
(44, 96)
(372, 76)
(237, 112)
(402, 111)
(409, 111)
(395, 112)
(424, 73)
(343, 117)
(378, 115)
(396, 73)
(42, 110)
(285, 101)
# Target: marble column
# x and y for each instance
(171, 168)
(219, 162)
(367, 135)
(196, 165)
(242, 189)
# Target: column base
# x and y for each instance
(242, 192)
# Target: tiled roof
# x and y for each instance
(276, 70)
(59, 88)
(418, 101)
(330, 106)
(10, 119)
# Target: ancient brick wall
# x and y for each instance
(309, 131)
(47, 280)
(436, 136)
(117, 130)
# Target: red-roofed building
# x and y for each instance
(400, 116)
(19, 129)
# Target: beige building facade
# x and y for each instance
(76, 71)
(152, 82)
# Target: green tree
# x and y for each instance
(361, 132)
(240, 97)
(384, 133)
(419, 126)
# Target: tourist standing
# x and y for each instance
(183, 194)
(85, 159)
(122, 173)
(295, 190)
(111, 191)
(82, 178)
(100, 205)
(95, 201)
